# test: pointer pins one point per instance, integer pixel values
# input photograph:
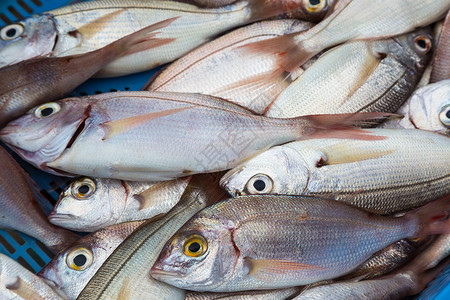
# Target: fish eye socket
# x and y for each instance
(195, 246)
(83, 188)
(80, 259)
(315, 6)
(11, 32)
(422, 44)
(47, 109)
(444, 116)
(260, 184)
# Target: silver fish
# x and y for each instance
(428, 109)
(125, 273)
(20, 210)
(168, 135)
(71, 269)
(353, 171)
(219, 68)
(361, 76)
(270, 242)
(250, 295)
(90, 25)
(92, 204)
(441, 63)
(16, 282)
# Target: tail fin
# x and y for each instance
(263, 9)
(433, 218)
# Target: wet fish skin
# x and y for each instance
(145, 121)
(220, 68)
(270, 242)
(16, 282)
(361, 76)
(125, 273)
(95, 247)
(428, 109)
(110, 202)
(441, 63)
(20, 210)
(249, 295)
(353, 171)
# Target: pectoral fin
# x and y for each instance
(344, 153)
(23, 290)
(264, 268)
(90, 29)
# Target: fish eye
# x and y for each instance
(80, 259)
(195, 246)
(47, 109)
(83, 188)
(444, 116)
(422, 44)
(315, 6)
(260, 184)
(11, 31)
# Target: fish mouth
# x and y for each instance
(60, 218)
(158, 273)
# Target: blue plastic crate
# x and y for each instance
(31, 253)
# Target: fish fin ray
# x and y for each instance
(89, 30)
(343, 153)
(261, 267)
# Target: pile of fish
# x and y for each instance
(292, 149)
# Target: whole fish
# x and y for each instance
(250, 295)
(20, 211)
(36, 81)
(90, 25)
(124, 275)
(408, 281)
(353, 171)
(220, 68)
(428, 109)
(358, 76)
(92, 204)
(16, 282)
(71, 269)
(441, 63)
(270, 242)
(353, 20)
(167, 135)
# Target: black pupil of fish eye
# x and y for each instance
(46, 111)
(447, 114)
(259, 185)
(314, 2)
(83, 189)
(80, 260)
(11, 32)
(422, 43)
(194, 247)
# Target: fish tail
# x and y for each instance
(342, 126)
(433, 218)
(263, 9)
(141, 40)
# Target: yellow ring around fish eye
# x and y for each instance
(315, 6)
(444, 116)
(47, 109)
(83, 188)
(80, 259)
(260, 184)
(195, 246)
(11, 31)
(422, 44)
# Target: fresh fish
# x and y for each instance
(71, 269)
(250, 295)
(353, 171)
(90, 25)
(20, 211)
(361, 76)
(428, 109)
(353, 20)
(408, 281)
(212, 3)
(220, 68)
(167, 135)
(33, 82)
(16, 283)
(125, 274)
(92, 204)
(441, 63)
(270, 242)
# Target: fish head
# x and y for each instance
(33, 37)
(308, 10)
(274, 171)
(44, 132)
(429, 107)
(200, 256)
(88, 204)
